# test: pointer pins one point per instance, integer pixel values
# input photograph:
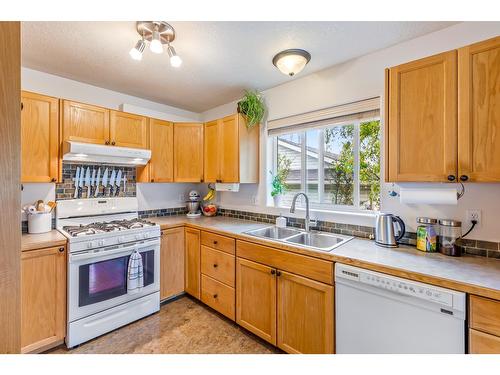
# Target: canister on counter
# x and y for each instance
(427, 234)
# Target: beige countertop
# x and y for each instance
(42, 240)
(477, 275)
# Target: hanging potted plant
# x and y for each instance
(252, 108)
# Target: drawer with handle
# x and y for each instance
(485, 315)
(218, 296)
(216, 241)
(218, 265)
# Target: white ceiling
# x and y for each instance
(220, 59)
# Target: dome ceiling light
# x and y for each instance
(157, 33)
(291, 61)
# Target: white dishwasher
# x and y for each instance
(378, 313)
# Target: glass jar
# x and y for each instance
(450, 231)
(427, 231)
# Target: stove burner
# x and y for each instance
(105, 227)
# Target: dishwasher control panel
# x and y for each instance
(398, 285)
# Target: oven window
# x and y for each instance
(104, 280)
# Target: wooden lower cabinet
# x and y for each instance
(483, 343)
(218, 296)
(172, 263)
(192, 262)
(305, 315)
(43, 298)
(256, 298)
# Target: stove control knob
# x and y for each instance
(101, 243)
(89, 245)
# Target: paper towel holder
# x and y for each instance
(461, 194)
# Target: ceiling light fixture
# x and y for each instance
(291, 61)
(175, 60)
(157, 33)
(136, 52)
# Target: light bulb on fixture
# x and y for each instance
(156, 45)
(291, 61)
(175, 59)
(136, 52)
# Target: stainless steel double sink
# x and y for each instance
(315, 240)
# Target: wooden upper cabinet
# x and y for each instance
(43, 304)
(421, 124)
(188, 152)
(479, 111)
(230, 149)
(256, 298)
(161, 142)
(192, 269)
(128, 130)
(211, 151)
(39, 138)
(85, 123)
(305, 315)
(172, 263)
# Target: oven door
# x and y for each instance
(97, 279)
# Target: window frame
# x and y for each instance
(322, 205)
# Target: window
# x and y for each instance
(337, 165)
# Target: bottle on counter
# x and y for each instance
(427, 234)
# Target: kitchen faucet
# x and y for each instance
(308, 221)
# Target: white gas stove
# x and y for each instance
(102, 234)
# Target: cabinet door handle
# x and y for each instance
(106, 143)
(215, 295)
(22, 106)
(61, 249)
(278, 273)
(53, 179)
(451, 178)
(273, 272)
(464, 177)
(152, 180)
(113, 143)
(215, 242)
(215, 265)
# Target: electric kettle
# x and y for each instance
(384, 230)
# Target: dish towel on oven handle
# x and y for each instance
(135, 274)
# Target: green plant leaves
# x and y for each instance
(252, 107)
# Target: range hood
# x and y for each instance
(91, 153)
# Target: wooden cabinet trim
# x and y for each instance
(32, 333)
(304, 328)
(484, 315)
(258, 307)
(447, 149)
(48, 154)
(172, 263)
(218, 242)
(483, 343)
(192, 262)
(313, 268)
(218, 296)
(218, 265)
(476, 140)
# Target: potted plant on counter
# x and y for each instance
(252, 108)
(278, 180)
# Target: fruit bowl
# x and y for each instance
(208, 209)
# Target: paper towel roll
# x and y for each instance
(428, 196)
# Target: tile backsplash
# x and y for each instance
(66, 188)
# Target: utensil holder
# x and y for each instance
(40, 223)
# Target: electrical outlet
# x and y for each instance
(474, 214)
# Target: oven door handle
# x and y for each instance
(93, 254)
